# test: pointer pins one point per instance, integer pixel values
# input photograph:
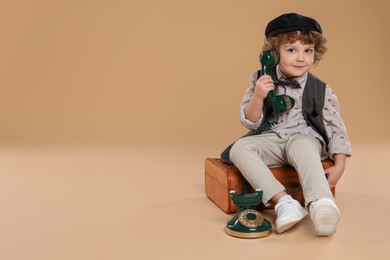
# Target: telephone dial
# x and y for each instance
(248, 222)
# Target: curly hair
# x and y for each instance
(306, 37)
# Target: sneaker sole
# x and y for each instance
(325, 220)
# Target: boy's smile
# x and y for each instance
(296, 58)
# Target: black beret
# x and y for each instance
(291, 22)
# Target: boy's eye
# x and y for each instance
(290, 50)
(309, 50)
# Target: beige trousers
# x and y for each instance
(253, 155)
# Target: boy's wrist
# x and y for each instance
(339, 160)
(259, 96)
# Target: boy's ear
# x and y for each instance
(276, 55)
(277, 59)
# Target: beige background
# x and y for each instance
(109, 108)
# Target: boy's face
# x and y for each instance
(296, 58)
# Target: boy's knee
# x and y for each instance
(303, 146)
(240, 148)
(237, 146)
(303, 142)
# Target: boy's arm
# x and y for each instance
(253, 110)
(338, 138)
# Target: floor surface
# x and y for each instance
(149, 203)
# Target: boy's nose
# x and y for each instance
(300, 57)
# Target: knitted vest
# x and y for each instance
(313, 99)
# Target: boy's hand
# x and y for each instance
(333, 174)
(263, 85)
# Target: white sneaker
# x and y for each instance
(325, 216)
(288, 213)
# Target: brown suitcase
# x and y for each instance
(221, 178)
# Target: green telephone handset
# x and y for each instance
(282, 103)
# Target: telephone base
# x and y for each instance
(248, 223)
(248, 235)
(237, 230)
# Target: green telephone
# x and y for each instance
(248, 222)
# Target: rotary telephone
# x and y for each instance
(248, 222)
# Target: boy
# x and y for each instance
(300, 138)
